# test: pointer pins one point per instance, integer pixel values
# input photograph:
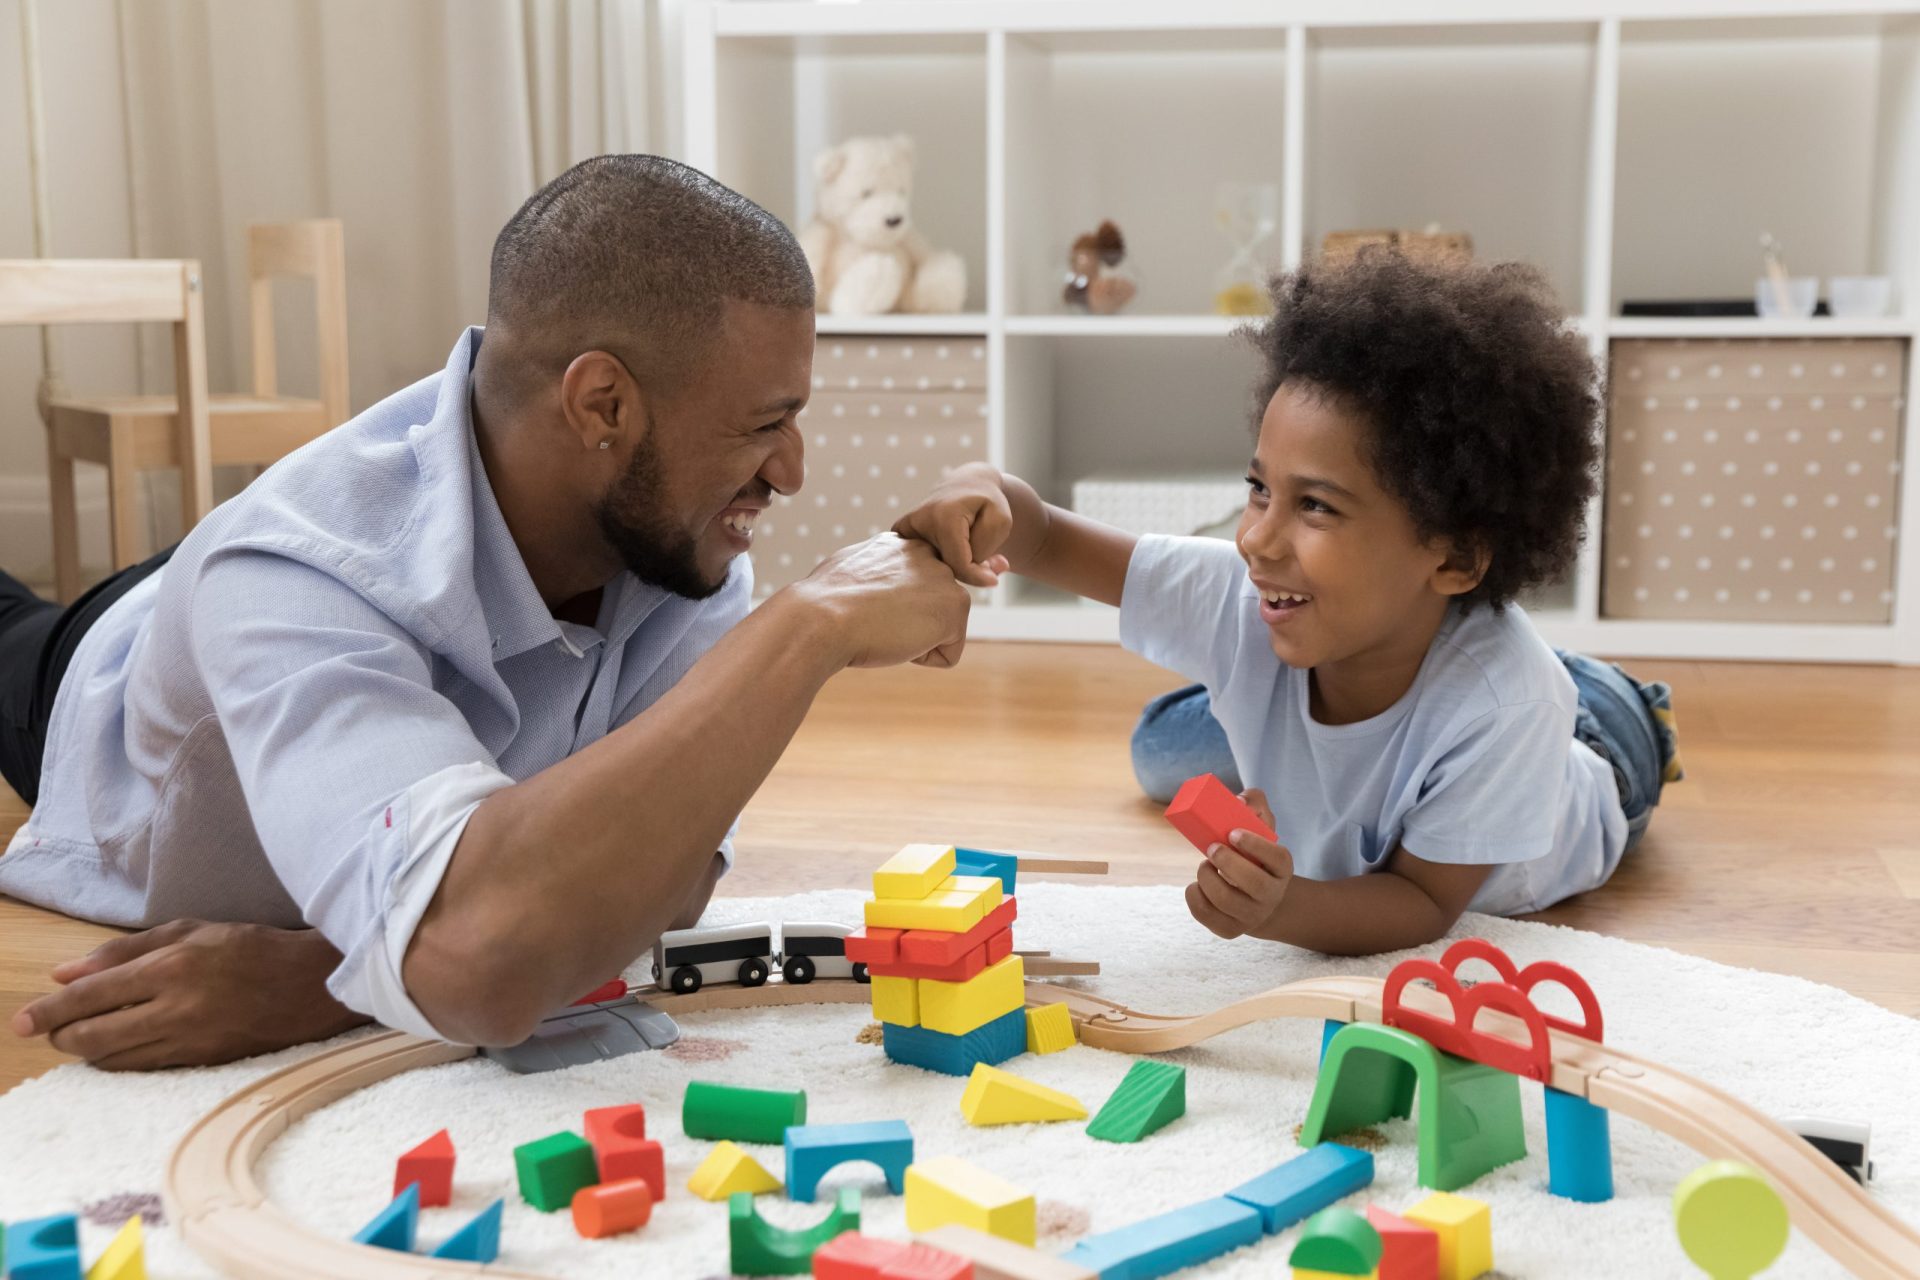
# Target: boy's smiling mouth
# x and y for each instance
(1278, 604)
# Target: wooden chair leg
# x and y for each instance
(66, 525)
(123, 495)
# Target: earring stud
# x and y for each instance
(606, 444)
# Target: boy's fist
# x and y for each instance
(967, 520)
(1237, 889)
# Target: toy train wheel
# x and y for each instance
(686, 980)
(753, 972)
(797, 969)
(860, 973)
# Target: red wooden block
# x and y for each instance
(873, 946)
(431, 1165)
(1408, 1251)
(965, 967)
(930, 946)
(612, 989)
(852, 1256)
(621, 1149)
(1206, 813)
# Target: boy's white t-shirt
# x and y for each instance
(1476, 763)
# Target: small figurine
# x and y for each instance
(1095, 280)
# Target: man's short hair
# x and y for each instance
(636, 255)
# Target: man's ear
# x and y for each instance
(1465, 565)
(600, 402)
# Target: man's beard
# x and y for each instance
(632, 520)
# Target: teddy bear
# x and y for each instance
(1089, 287)
(867, 259)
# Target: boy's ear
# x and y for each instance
(1461, 571)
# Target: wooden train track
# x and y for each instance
(221, 1211)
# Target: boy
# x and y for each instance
(1426, 450)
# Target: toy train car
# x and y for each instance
(1848, 1143)
(686, 959)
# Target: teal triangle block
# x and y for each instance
(479, 1240)
(393, 1227)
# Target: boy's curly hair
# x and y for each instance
(1482, 404)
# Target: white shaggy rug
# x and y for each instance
(79, 1140)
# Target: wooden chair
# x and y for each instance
(131, 434)
(57, 291)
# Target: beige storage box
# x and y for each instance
(1752, 480)
(889, 416)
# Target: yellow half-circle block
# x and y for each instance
(1050, 1029)
(955, 906)
(994, 1096)
(914, 872)
(1465, 1228)
(948, 1189)
(728, 1169)
(125, 1257)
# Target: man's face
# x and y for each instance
(714, 454)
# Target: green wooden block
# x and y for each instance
(758, 1248)
(1152, 1096)
(553, 1168)
(740, 1115)
(1338, 1240)
(1469, 1114)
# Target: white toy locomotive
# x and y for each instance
(686, 959)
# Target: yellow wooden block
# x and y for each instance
(897, 1000)
(994, 1096)
(728, 1169)
(954, 907)
(948, 1189)
(914, 872)
(1049, 1029)
(958, 1007)
(1465, 1228)
(125, 1257)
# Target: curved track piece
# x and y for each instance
(1827, 1206)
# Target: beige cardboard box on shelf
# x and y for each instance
(1752, 480)
(889, 415)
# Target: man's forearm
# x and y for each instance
(1356, 916)
(561, 880)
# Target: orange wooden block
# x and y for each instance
(612, 1207)
(431, 1165)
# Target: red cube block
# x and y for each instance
(1408, 1251)
(1206, 813)
(431, 1165)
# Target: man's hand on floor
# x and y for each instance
(191, 993)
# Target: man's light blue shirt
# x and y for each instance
(332, 670)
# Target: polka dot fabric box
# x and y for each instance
(889, 416)
(1753, 481)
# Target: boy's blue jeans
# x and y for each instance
(1626, 723)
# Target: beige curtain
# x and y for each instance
(421, 124)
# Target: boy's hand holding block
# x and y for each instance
(1206, 813)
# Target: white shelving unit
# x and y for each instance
(1630, 148)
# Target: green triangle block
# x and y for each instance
(1340, 1241)
(553, 1168)
(1152, 1096)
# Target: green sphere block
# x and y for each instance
(1731, 1222)
(1338, 1240)
(553, 1168)
(740, 1115)
(758, 1248)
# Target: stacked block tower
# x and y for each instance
(938, 945)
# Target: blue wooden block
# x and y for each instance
(1162, 1245)
(813, 1149)
(990, 1042)
(393, 1227)
(1004, 867)
(44, 1248)
(1328, 1030)
(1579, 1149)
(1305, 1185)
(479, 1240)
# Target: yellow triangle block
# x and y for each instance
(994, 1096)
(125, 1257)
(728, 1169)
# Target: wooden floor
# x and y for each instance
(1793, 845)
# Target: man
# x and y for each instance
(445, 718)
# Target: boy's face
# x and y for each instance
(1341, 572)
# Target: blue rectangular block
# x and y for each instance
(800, 1137)
(1305, 1185)
(1160, 1246)
(991, 1042)
(1004, 867)
(44, 1248)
